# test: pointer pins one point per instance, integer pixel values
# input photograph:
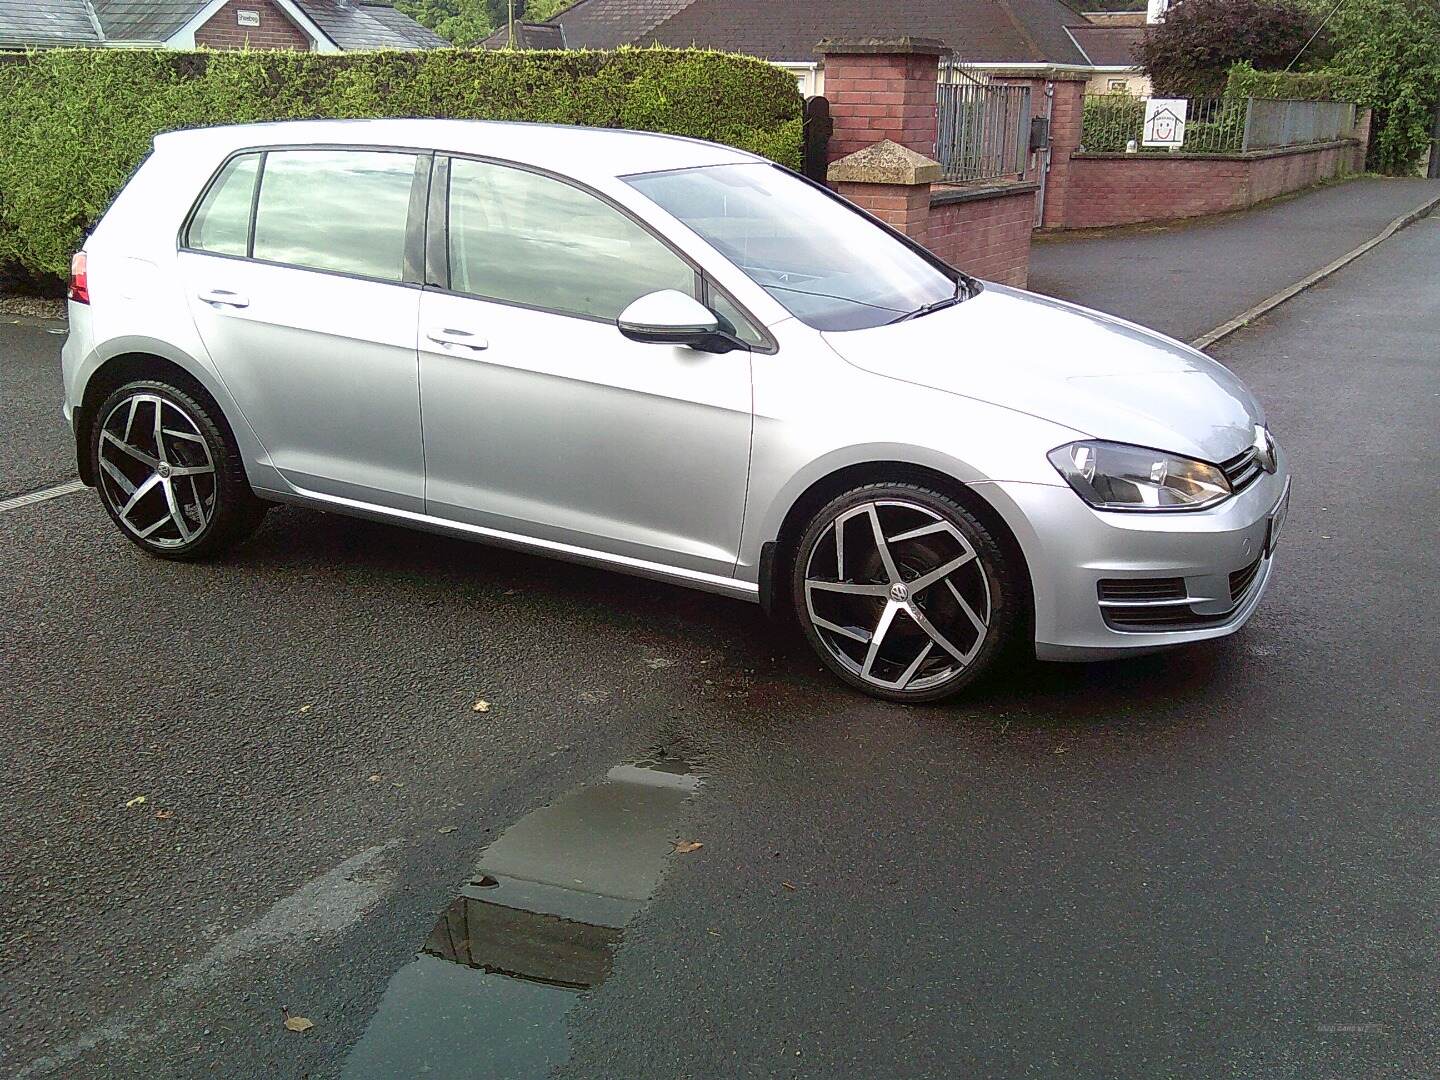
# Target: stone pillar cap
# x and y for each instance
(904, 45)
(886, 162)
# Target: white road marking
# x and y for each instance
(321, 908)
(43, 495)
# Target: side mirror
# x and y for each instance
(669, 317)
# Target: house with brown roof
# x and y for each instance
(984, 34)
(305, 25)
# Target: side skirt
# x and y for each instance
(713, 583)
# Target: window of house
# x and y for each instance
(340, 210)
(529, 239)
(222, 223)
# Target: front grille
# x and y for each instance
(1166, 588)
(1242, 470)
(1155, 605)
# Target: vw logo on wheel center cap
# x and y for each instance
(163, 470)
(899, 593)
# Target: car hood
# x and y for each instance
(1090, 372)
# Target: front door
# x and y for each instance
(540, 419)
(308, 318)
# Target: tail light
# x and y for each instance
(79, 279)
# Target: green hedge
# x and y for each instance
(1244, 81)
(74, 123)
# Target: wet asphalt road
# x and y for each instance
(1220, 862)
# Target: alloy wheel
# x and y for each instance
(156, 470)
(898, 595)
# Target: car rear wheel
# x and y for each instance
(903, 592)
(168, 472)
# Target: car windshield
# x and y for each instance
(826, 264)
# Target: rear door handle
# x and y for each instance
(224, 298)
(463, 339)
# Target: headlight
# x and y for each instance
(1113, 476)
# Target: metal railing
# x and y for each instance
(1115, 123)
(984, 129)
(1272, 122)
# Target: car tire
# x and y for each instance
(169, 473)
(904, 593)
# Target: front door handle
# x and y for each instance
(463, 339)
(224, 298)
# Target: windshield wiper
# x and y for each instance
(937, 305)
(965, 288)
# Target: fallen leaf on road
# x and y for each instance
(446, 830)
(374, 778)
(684, 847)
(298, 1023)
(658, 662)
(164, 815)
(480, 706)
(136, 801)
(305, 708)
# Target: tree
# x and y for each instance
(541, 10)
(1190, 53)
(1393, 46)
(465, 22)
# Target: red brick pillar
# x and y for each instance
(1361, 132)
(892, 182)
(1067, 104)
(882, 88)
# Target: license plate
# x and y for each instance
(1277, 522)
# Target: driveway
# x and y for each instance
(1187, 278)
(1218, 862)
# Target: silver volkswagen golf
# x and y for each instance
(665, 357)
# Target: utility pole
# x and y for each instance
(1433, 172)
(511, 23)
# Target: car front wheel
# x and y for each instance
(903, 592)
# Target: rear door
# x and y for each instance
(301, 274)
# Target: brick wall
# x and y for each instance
(276, 30)
(988, 237)
(885, 90)
(905, 206)
(1105, 189)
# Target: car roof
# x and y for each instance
(580, 152)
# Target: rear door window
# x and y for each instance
(338, 210)
(222, 222)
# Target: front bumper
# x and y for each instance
(1218, 554)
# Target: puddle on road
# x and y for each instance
(537, 923)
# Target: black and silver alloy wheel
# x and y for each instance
(168, 472)
(900, 591)
(156, 472)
